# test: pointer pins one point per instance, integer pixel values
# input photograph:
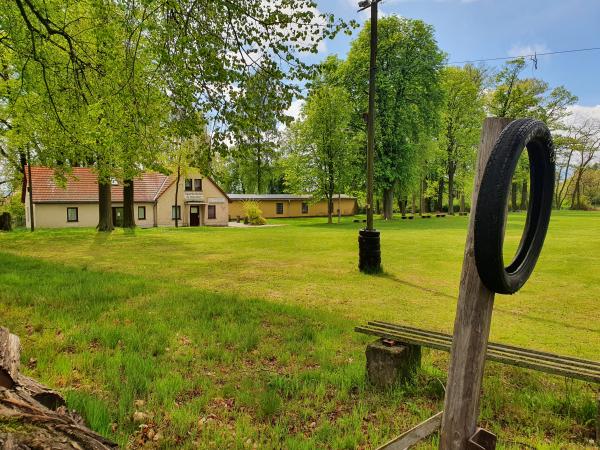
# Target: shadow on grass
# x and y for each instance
(107, 340)
(394, 278)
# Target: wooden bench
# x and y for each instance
(567, 366)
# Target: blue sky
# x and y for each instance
(476, 29)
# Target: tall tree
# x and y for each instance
(462, 115)
(321, 146)
(91, 72)
(408, 96)
(516, 97)
(257, 138)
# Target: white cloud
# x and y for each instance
(295, 108)
(580, 113)
(530, 49)
(294, 111)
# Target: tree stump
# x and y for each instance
(34, 416)
(389, 365)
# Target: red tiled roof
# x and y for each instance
(82, 186)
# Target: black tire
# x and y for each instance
(490, 213)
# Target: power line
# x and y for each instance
(533, 55)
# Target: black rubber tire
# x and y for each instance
(490, 213)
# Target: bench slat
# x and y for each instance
(584, 363)
(495, 352)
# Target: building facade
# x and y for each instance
(200, 201)
(285, 205)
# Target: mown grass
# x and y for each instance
(241, 338)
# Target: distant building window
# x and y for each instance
(212, 212)
(114, 182)
(72, 214)
(188, 184)
(279, 208)
(304, 208)
(197, 184)
(141, 213)
(176, 212)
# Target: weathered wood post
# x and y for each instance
(471, 326)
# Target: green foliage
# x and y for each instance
(14, 206)
(253, 213)
(516, 97)
(321, 149)
(461, 119)
(408, 96)
(112, 84)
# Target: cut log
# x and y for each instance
(37, 415)
(10, 357)
(46, 396)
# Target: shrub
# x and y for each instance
(253, 213)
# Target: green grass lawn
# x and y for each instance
(243, 338)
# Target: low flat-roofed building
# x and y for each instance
(289, 205)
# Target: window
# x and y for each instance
(72, 214)
(188, 184)
(304, 208)
(212, 212)
(197, 184)
(141, 213)
(176, 212)
(279, 208)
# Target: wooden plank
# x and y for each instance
(505, 357)
(579, 362)
(414, 435)
(471, 325)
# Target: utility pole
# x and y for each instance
(368, 239)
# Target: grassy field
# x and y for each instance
(242, 338)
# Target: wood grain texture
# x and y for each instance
(414, 435)
(37, 414)
(10, 358)
(472, 324)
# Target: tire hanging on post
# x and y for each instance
(490, 216)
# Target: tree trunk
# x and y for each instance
(450, 193)
(258, 168)
(421, 202)
(128, 204)
(575, 197)
(462, 203)
(105, 222)
(388, 203)
(339, 207)
(524, 196)
(377, 206)
(177, 194)
(402, 205)
(513, 194)
(440, 196)
(414, 204)
(330, 209)
(30, 191)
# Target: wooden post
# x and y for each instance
(471, 326)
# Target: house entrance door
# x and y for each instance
(194, 216)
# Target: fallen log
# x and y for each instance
(34, 416)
